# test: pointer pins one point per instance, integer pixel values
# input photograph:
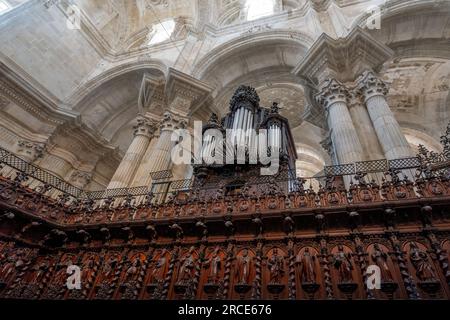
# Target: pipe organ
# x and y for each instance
(248, 134)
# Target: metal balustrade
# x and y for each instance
(160, 175)
(39, 174)
(372, 166)
(405, 163)
(162, 186)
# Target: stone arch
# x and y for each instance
(108, 102)
(152, 65)
(263, 60)
(419, 35)
(265, 40)
(419, 137)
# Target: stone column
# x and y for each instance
(140, 178)
(388, 130)
(130, 162)
(364, 127)
(161, 154)
(346, 144)
(159, 159)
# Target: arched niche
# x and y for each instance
(185, 277)
(275, 274)
(158, 267)
(308, 274)
(418, 94)
(241, 278)
(423, 269)
(379, 254)
(416, 138)
(345, 273)
(211, 283)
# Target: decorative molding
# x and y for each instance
(343, 58)
(371, 84)
(151, 93)
(144, 127)
(3, 102)
(21, 89)
(183, 90)
(332, 91)
(30, 150)
(80, 179)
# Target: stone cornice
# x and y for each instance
(87, 137)
(14, 88)
(151, 92)
(22, 93)
(345, 57)
(20, 77)
(181, 85)
(218, 31)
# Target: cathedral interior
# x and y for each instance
(92, 91)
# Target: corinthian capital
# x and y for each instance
(355, 97)
(371, 85)
(144, 127)
(171, 122)
(333, 91)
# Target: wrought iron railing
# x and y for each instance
(162, 187)
(372, 166)
(39, 174)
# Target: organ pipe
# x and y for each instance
(249, 126)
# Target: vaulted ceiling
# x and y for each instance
(96, 72)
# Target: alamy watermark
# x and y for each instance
(74, 279)
(373, 281)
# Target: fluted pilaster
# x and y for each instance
(346, 144)
(158, 158)
(388, 130)
(143, 131)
